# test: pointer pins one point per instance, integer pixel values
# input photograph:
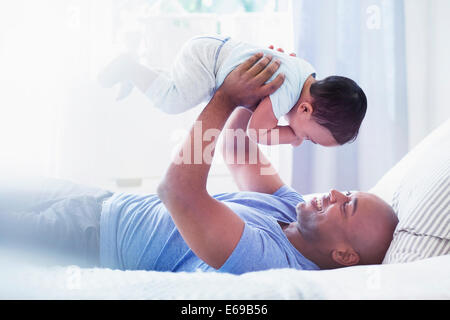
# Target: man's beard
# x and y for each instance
(307, 224)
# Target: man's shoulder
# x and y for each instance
(286, 190)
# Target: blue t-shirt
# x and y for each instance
(295, 69)
(137, 232)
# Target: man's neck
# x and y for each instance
(311, 253)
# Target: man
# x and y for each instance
(183, 228)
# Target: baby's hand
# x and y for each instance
(298, 141)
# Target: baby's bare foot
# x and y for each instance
(116, 71)
(126, 87)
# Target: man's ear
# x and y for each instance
(345, 256)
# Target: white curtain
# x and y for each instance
(428, 65)
(31, 91)
(363, 40)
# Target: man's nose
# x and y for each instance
(337, 196)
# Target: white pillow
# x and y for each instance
(418, 189)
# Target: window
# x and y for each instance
(73, 129)
(157, 30)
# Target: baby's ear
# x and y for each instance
(305, 109)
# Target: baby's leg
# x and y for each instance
(126, 69)
(192, 79)
(190, 82)
(159, 86)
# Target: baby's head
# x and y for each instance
(329, 112)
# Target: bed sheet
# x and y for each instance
(425, 279)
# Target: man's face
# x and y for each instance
(336, 216)
(337, 220)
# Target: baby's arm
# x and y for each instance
(263, 123)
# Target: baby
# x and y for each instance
(328, 112)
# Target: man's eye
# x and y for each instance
(347, 193)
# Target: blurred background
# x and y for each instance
(56, 121)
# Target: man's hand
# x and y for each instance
(282, 50)
(246, 85)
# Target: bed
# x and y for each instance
(416, 266)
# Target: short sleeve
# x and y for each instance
(288, 194)
(257, 250)
(297, 72)
(282, 100)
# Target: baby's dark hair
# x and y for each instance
(340, 106)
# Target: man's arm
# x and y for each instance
(208, 226)
(250, 168)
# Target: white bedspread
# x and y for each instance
(426, 279)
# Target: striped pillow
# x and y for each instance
(422, 203)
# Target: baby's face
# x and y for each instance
(312, 131)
